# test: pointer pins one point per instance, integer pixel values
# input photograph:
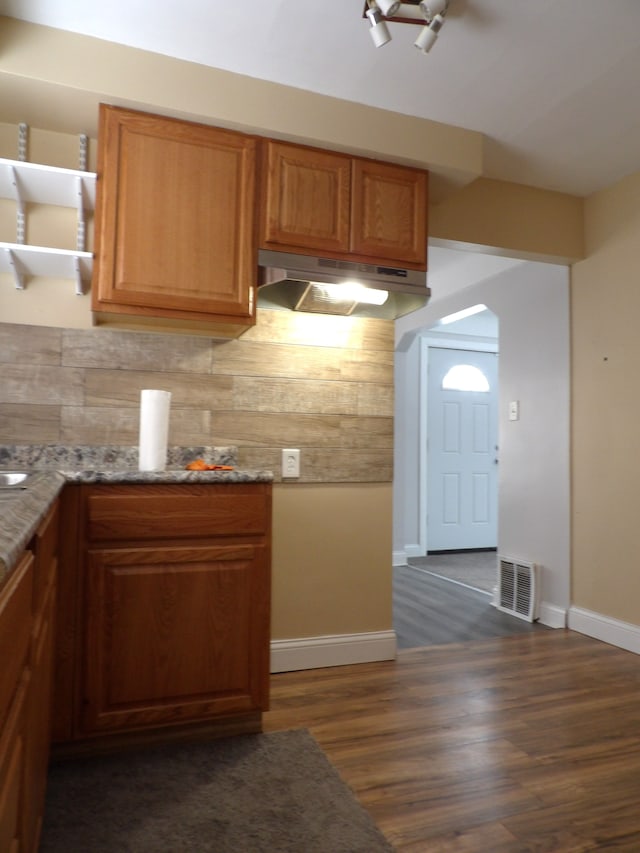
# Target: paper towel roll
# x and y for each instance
(154, 430)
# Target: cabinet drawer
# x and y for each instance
(174, 512)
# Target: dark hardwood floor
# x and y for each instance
(428, 610)
(529, 742)
(488, 734)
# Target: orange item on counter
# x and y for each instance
(201, 465)
(197, 465)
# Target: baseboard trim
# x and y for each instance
(548, 614)
(335, 650)
(414, 550)
(624, 635)
(551, 615)
(400, 558)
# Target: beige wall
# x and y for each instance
(525, 221)
(332, 558)
(605, 308)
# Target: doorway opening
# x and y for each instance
(458, 466)
(530, 298)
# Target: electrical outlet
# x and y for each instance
(290, 463)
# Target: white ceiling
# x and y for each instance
(553, 84)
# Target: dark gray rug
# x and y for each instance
(268, 793)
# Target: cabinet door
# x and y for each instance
(389, 212)
(175, 634)
(38, 715)
(67, 616)
(12, 771)
(16, 598)
(305, 199)
(174, 219)
(16, 622)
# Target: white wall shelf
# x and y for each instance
(25, 261)
(32, 183)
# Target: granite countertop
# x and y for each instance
(50, 467)
(21, 510)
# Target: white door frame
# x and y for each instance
(462, 342)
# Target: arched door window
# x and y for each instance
(465, 377)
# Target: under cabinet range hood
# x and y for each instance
(346, 288)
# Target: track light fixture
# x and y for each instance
(378, 30)
(431, 12)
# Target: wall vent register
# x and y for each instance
(518, 588)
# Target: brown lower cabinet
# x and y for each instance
(165, 611)
(143, 611)
(27, 608)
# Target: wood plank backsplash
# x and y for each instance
(323, 384)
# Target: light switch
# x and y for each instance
(290, 463)
(514, 410)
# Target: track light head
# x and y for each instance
(388, 7)
(429, 34)
(378, 30)
(431, 8)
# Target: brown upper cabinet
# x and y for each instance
(174, 223)
(322, 202)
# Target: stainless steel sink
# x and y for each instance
(12, 479)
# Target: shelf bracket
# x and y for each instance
(82, 153)
(23, 138)
(18, 275)
(17, 197)
(78, 276)
(81, 230)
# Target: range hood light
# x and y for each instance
(354, 291)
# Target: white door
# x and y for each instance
(462, 449)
